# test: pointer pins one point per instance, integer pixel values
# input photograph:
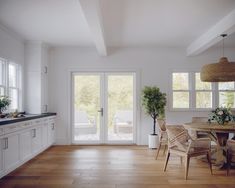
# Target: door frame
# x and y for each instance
(136, 104)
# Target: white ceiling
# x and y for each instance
(57, 22)
(125, 22)
(160, 22)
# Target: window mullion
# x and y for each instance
(192, 94)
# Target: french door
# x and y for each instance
(103, 108)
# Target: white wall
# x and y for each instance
(154, 65)
(11, 46)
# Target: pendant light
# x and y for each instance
(223, 71)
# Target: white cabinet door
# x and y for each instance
(11, 151)
(36, 139)
(25, 145)
(44, 135)
(1, 156)
(51, 133)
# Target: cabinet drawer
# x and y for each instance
(12, 128)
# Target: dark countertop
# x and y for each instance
(5, 121)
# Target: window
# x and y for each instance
(10, 82)
(189, 92)
(226, 94)
(180, 90)
(2, 81)
(203, 92)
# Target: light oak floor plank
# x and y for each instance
(112, 167)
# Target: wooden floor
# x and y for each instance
(112, 167)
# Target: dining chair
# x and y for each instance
(163, 139)
(199, 134)
(180, 143)
(230, 154)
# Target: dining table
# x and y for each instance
(218, 133)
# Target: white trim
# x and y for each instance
(18, 87)
(136, 106)
(192, 93)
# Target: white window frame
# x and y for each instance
(3, 85)
(192, 92)
(18, 86)
(188, 90)
(224, 90)
(195, 90)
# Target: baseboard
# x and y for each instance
(61, 141)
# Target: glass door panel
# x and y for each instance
(120, 99)
(86, 118)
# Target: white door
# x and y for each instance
(11, 151)
(25, 145)
(1, 155)
(45, 134)
(51, 132)
(36, 139)
(103, 108)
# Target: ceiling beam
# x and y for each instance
(92, 12)
(212, 36)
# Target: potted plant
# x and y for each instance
(4, 103)
(154, 102)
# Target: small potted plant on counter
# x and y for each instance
(154, 102)
(4, 103)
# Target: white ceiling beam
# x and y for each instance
(212, 36)
(92, 12)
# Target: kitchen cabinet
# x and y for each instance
(20, 142)
(51, 132)
(1, 157)
(36, 139)
(10, 151)
(25, 145)
(36, 73)
(45, 135)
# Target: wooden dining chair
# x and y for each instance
(180, 143)
(163, 139)
(230, 154)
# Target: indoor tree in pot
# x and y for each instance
(154, 102)
(4, 103)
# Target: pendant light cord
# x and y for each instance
(223, 35)
(223, 46)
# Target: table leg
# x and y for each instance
(221, 140)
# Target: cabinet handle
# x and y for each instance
(34, 133)
(6, 143)
(5, 146)
(53, 126)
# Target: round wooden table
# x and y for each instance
(218, 133)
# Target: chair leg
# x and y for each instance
(181, 160)
(209, 161)
(167, 159)
(165, 148)
(158, 149)
(228, 163)
(186, 166)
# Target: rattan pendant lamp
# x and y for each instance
(223, 71)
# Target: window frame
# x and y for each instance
(3, 85)
(192, 92)
(195, 91)
(182, 90)
(6, 85)
(225, 90)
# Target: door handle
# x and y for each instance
(101, 111)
